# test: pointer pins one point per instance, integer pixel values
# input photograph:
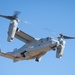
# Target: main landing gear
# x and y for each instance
(38, 59)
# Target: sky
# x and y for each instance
(57, 16)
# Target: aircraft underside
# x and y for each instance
(32, 54)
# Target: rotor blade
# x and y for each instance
(23, 21)
(16, 13)
(26, 22)
(49, 30)
(68, 37)
(7, 17)
(65, 37)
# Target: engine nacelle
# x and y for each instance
(12, 30)
(60, 51)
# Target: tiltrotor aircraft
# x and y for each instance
(33, 48)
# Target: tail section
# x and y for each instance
(8, 55)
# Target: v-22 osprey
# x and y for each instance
(33, 48)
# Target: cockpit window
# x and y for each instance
(40, 39)
(49, 38)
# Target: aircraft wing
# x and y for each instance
(24, 37)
